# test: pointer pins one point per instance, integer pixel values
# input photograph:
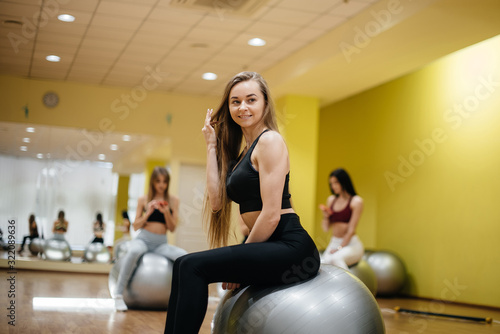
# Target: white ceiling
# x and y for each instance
(114, 42)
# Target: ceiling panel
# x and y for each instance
(85, 6)
(312, 6)
(350, 8)
(289, 16)
(121, 8)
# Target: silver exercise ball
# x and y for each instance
(366, 274)
(120, 249)
(150, 284)
(367, 253)
(57, 250)
(334, 301)
(97, 252)
(390, 271)
(36, 246)
(220, 291)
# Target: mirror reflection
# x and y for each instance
(61, 180)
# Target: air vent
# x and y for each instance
(222, 7)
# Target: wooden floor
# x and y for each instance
(94, 313)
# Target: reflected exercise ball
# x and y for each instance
(150, 283)
(389, 270)
(366, 274)
(97, 252)
(120, 249)
(57, 250)
(36, 246)
(334, 301)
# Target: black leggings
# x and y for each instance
(97, 240)
(288, 256)
(31, 237)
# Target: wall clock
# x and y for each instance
(50, 99)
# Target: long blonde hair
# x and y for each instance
(157, 171)
(229, 139)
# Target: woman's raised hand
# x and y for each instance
(208, 130)
(230, 286)
(326, 210)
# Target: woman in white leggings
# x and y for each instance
(341, 215)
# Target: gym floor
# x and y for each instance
(58, 301)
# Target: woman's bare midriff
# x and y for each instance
(249, 218)
(155, 227)
(339, 230)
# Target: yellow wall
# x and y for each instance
(121, 204)
(114, 109)
(424, 152)
(298, 117)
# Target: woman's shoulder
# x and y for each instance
(271, 140)
(330, 199)
(173, 198)
(356, 201)
(271, 135)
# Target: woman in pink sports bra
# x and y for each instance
(341, 215)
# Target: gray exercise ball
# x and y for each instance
(150, 284)
(332, 302)
(120, 249)
(57, 250)
(36, 246)
(366, 274)
(389, 270)
(97, 252)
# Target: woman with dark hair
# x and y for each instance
(156, 214)
(341, 214)
(257, 179)
(33, 232)
(99, 229)
(60, 226)
(125, 225)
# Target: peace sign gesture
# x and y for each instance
(208, 130)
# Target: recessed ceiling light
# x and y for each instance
(102, 156)
(209, 76)
(30, 129)
(26, 140)
(23, 148)
(53, 58)
(126, 138)
(66, 18)
(39, 156)
(113, 147)
(257, 42)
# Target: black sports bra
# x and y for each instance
(157, 217)
(243, 184)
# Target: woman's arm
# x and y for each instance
(171, 219)
(270, 158)
(357, 209)
(140, 219)
(212, 168)
(325, 209)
